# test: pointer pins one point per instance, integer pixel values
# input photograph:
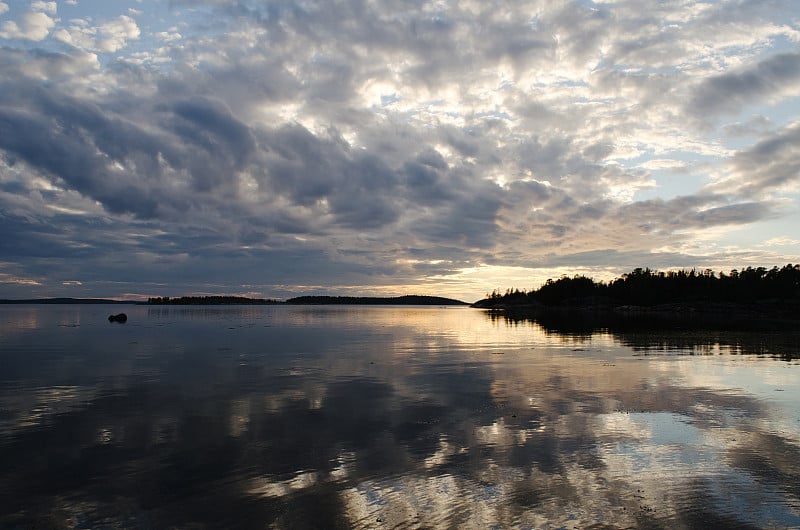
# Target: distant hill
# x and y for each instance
(373, 300)
(66, 301)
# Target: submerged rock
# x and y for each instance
(121, 318)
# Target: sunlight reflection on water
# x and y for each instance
(384, 417)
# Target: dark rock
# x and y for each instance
(121, 318)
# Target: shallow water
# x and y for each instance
(389, 417)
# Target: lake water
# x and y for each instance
(389, 417)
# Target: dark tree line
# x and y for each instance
(373, 300)
(648, 287)
(306, 300)
(209, 300)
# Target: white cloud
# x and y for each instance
(663, 163)
(80, 36)
(47, 7)
(166, 36)
(3, 8)
(781, 241)
(33, 25)
(7, 278)
(115, 34)
(109, 36)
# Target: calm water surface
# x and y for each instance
(388, 417)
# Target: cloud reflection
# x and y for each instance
(289, 417)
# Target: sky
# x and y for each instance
(377, 147)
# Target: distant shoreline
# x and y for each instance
(68, 301)
(374, 300)
(235, 300)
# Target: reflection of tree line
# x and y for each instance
(653, 333)
(647, 288)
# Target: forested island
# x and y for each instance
(373, 300)
(210, 300)
(752, 293)
(647, 287)
(243, 300)
(307, 300)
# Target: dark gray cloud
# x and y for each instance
(219, 140)
(59, 150)
(696, 211)
(769, 165)
(729, 92)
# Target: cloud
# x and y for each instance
(46, 7)
(395, 143)
(115, 34)
(770, 167)
(10, 278)
(3, 8)
(32, 25)
(780, 241)
(734, 214)
(687, 212)
(109, 36)
(774, 77)
(757, 125)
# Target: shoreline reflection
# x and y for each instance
(399, 417)
(648, 335)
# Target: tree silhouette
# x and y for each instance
(647, 288)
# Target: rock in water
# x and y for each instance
(121, 318)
